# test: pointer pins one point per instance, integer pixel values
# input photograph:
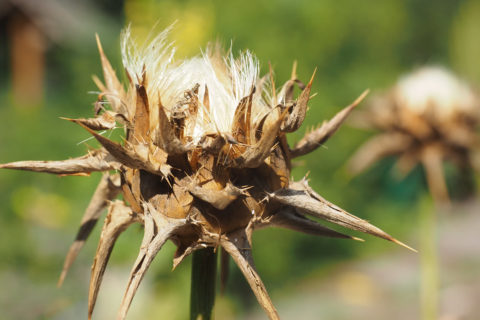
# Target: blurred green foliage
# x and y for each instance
(354, 44)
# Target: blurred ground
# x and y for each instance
(384, 286)
(387, 286)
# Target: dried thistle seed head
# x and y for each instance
(429, 116)
(204, 162)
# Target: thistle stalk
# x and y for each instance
(428, 261)
(202, 294)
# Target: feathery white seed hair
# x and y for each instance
(228, 79)
(436, 88)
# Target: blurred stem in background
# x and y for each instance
(428, 259)
(429, 208)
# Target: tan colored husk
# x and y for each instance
(211, 189)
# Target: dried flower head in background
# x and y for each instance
(204, 161)
(429, 116)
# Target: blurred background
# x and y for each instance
(47, 58)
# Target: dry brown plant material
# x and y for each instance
(204, 162)
(427, 118)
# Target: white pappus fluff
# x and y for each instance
(435, 89)
(228, 80)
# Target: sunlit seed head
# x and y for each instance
(228, 79)
(197, 191)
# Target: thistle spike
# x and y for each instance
(125, 156)
(158, 230)
(119, 218)
(97, 160)
(106, 191)
(239, 248)
(288, 218)
(105, 121)
(113, 85)
(316, 138)
(303, 199)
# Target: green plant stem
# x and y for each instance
(428, 262)
(202, 295)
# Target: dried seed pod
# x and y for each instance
(201, 167)
(428, 117)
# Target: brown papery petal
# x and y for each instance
(141, 119)
(254, 156)
(219, 199)
(165, 137)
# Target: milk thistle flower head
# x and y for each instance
(428, 117)
(204, 161)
